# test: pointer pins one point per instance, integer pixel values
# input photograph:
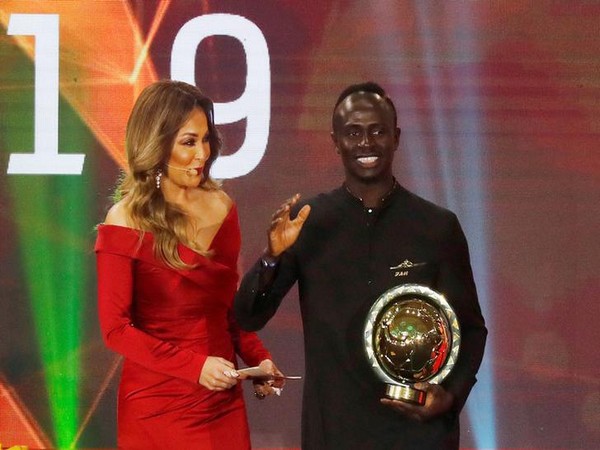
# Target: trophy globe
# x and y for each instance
(411, 335)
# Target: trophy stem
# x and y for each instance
(405, 393)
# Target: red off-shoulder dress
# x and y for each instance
(166, 322)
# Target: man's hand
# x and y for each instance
(263, 388)
(437, 402)
(283, 231)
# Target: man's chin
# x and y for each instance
(371, 176)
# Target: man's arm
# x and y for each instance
(457, 284)
(272, 276)
(261, 291)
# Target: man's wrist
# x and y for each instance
(268, 261)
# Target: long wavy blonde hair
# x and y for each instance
(159, 112)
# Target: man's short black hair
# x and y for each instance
(368, 86)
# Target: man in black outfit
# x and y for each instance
(343, 248)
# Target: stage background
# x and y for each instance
(499, 104)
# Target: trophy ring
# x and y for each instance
(411, 335)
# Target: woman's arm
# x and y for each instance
(115, 294)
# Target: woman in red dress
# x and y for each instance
(167, 272)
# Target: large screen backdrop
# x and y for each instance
(499, 104)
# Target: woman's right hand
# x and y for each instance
(218, 374)
(283, 231)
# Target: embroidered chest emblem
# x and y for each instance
(403, 269)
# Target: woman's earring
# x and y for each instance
(158, 177)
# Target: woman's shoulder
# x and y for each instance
(118, 214)
(216, 201)
(221, 196)
(116, 237)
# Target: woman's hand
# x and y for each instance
(218, 374)
(262, 388)
(283, 231)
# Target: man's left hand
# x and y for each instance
(264, 388)
(437, 402)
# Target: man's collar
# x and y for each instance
(382, 200)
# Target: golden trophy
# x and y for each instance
(411, 335)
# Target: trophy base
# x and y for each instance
(405, 393)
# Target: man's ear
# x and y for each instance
(332, 134)
(398, 133)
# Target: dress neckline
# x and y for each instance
(212, 242)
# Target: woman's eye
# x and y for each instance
(190, 143)
(206, 139)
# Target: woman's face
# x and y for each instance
(190, 151)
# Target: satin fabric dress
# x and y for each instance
(166, 322)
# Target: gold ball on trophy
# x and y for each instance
(411, 335)
(412, 340)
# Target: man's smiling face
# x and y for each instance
(366, 137)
